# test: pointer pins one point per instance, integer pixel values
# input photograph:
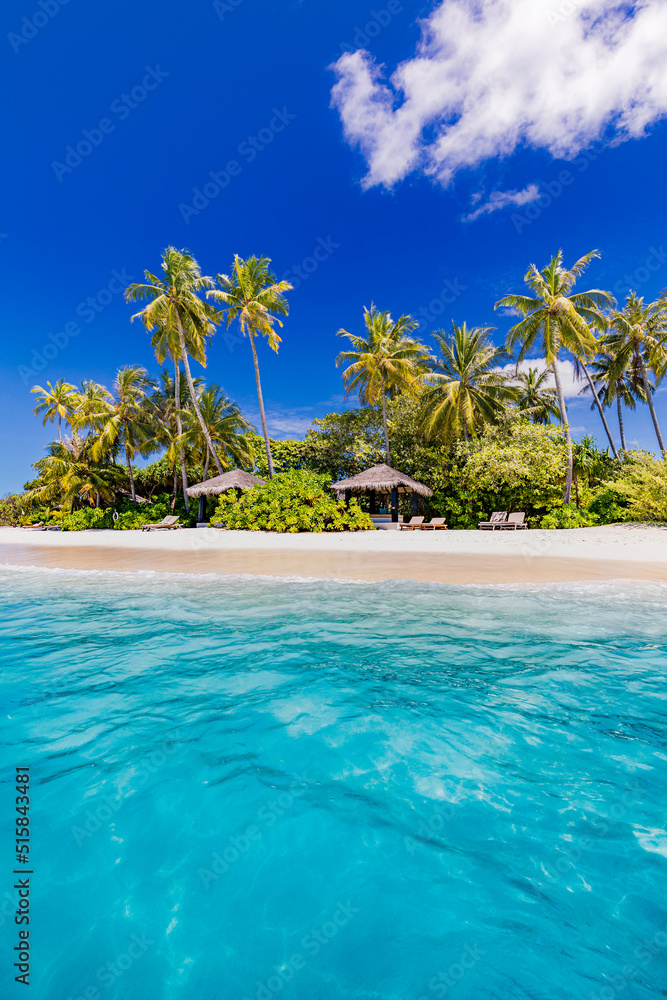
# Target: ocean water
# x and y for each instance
(247, 788)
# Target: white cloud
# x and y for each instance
(491, 76)
(501, 199)
(572, 386)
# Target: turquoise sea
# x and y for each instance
(247, 788)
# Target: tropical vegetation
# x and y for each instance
(485, 426)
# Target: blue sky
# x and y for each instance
(368, 191)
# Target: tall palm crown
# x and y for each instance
(534, 397)
(615, 384)
(124, 419)
(465, 387)
(228, 428)
(56, 401)
(559, 320)
(384, 362)
(636, 340)
(179, 319)
(252, 296)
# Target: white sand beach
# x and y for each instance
(613, 552)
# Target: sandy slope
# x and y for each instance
(633, 552)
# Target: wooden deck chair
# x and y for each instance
(415, 522)
(515, 521)
(436, 523)
(497, 518)
(169, 523)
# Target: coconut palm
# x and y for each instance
(70, 472)
(561, 321)
(59, 400)
(384, 362)
(254, 297)
(124, 420)
(465, 388)
(615, 385)
(636, 341)
(534, 397)
(228, 430)
(180, 321)
(587, 460)
(168, 406)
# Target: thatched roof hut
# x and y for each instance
(381, 479)
(236, 479)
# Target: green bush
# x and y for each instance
(88, 517)
(292, 501)
(609, 505)
(569, 516)
(642, 487)
(135, 517)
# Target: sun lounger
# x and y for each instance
(34, 527)
(415, 522)
(497, 518)
(514, 521)
(168, 523)
(435, 523)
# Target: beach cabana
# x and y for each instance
(382, 482)
(235, 479)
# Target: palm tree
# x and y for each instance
(168, 406)
(254, 297)
(59, 400)
(466, 389)
(70, 472)
(228, 430)
(587, 461)
(636, 341)
(384, 363)
(561, 320)
(124, 421)
(181, 322)
(534, 397)
(613, 384)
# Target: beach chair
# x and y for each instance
(34, 527)
(497, 518)
(514, 522)
(168, 523)
(415, 522)
(435, 523)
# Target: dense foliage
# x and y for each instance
(292, 501)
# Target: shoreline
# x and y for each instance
(631, 553)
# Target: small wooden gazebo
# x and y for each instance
(382, 480)
(235, 479)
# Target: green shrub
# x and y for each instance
(292, 501)
(609, 505)
(135, 517)
(569, 516)
(642, 487)
(88, 517)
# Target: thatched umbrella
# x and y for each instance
(235, 479)
(383, 479)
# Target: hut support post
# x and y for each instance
(202, 508)
(414, 504)
(394, 505)
(372, 502)
(348, 497)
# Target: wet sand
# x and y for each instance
(623, 552)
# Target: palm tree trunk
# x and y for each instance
(175, 487)
(193, 394)
(179, 431)
(576, 489)
(60, 439)
(649, 400)
(261, 405)
(566, 428)
(385, 426)
(129, 472)
(619, 407)
(206, 463)
(599, 406)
